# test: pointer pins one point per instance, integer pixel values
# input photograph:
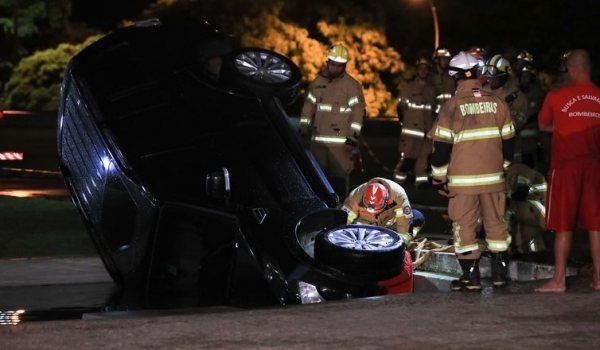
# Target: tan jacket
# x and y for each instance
(417, 104)
(395, 216)
(518, 106)
(444, 87)
(475, 123)
(333, 110)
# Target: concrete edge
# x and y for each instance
(29, 173)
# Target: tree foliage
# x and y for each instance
(370, 56)
(36, 80)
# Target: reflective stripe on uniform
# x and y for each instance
(443, 133)
(419, 107)
(351, 214)
(400, 177)
(497, 246)
(439, 171)
(539, 206)
(353, 101)
(465, 249)
(406, 236)
(508, 129)
(476, 180)
(323, 107)
(444, 96)
(356, 126)
(477, 134)
(420, 179)
(543, 187)
(311, 98)
(330, 139)
(413, 132)
(305, 120)
(399, 212)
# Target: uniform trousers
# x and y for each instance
(465, 210)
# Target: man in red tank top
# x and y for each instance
(572, 114)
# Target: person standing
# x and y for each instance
(473, 144)
(505, 85)
(530, 134)
(415, 113)
(572, 114)
(443, 83)
(332, 118)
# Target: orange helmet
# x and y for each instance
(376, 197)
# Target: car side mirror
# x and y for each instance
(218, 186)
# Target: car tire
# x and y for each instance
(265, 72)
(362, 249)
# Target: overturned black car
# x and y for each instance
(180, 157)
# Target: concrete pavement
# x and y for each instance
(514, 317)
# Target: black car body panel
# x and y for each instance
(186, 182)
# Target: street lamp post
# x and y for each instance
(435, 25)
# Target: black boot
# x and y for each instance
(500, 269)
(470, 279)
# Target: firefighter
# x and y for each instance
(382, 202)
(562, 74)
(443, 83)
(525, 211)
(332, 118)
(530, 135)
(523, 59)
(472, 145)
(415, 113)
(499, 75)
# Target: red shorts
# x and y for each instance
(573, 198)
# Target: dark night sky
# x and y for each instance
(545, 28)
(105, 14)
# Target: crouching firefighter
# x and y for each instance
(473, 144)
(384, 203)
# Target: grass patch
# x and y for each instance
(42, 227)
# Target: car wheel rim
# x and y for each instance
(362, 239)
(263, 67)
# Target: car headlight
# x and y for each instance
(309, 293)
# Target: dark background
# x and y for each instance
(547, 29)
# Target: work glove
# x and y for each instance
(441, 187)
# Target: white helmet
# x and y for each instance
(463, 65)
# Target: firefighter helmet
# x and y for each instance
(464, 66)
(338, 53)
(376, 197)
(421, 61)
(525, 56)
(478, 52)
(441, 52)
(496, 66)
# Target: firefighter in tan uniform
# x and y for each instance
(415, 113)
(530, 135)
(382, 202)
(505, 85)
(443, 83)
(526, 212)
(473, 144)
(332, 118)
